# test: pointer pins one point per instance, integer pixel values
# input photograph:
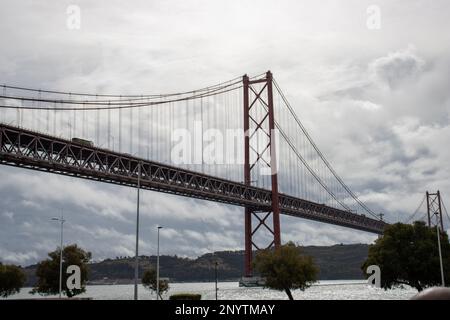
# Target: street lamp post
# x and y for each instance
(439, 247)
(157, 267)
(61, 220)
(136, 262)
(216, 263)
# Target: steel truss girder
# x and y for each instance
(32, 150)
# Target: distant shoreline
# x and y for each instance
(341, 261)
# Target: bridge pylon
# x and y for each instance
(434, 207)
(259, 127)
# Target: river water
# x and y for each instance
(323, 290)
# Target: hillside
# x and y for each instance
(335, 262)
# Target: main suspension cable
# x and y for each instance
(110, 106)
(338, 178)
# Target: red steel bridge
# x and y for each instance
(174, 143)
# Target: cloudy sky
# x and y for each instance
(376, 101)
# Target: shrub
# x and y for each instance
(186, 296)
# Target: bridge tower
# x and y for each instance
(259, 123)
(434, 207)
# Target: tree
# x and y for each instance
(149, 282)
(285, 268)
(12, 279)
(408, 255)
(47, 271)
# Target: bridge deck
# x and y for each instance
(27, 149)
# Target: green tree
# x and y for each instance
(149, 282)
(47, 271)
(408, 255)
(12, 279)
(286, 268)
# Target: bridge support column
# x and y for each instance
(434, 207)
(259, 124)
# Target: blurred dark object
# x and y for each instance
(435, 293)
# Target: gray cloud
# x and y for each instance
(376, 102)
(397, 67)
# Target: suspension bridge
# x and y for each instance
(238, 142)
